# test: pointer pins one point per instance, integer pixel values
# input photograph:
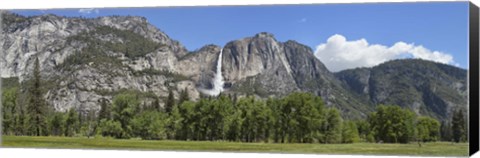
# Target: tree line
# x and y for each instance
(296, 118)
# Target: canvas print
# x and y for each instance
(358, 79)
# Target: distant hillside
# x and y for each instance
(427, 87)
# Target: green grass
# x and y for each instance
(430, 149)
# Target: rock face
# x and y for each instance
(262, 66)
(426, 87)
(86, 60)
(54, 39)
(259, 60)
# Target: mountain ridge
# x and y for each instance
(92, 59)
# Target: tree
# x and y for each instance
(37, 107)
(187, 120)
(90, 124)
(125, 107)
(349, 132)
(446, 131)
(459, 126)
(174, 121)
(428, 129)
(392, 124)
(150, 125)
(183, 96)
(170, 102)
(255, 119)
(234, 126)
(301, 115)
(9, 110)
(277, 119)
(105, 110)
(156, 105)
(57, 123)
(110, 128)
(364, 131)
(71, 123)
(261, 114)
(20, 120)
(332, 127)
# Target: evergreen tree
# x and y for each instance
(156, 105)
(71, 123)
(446, 131)
(57, 122)
(184, 96)
(9, 111)
(20, 119)
(37, 107)
(105, 111)
(90, 125)
(170, 102)
(458, 126)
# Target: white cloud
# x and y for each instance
(88, 11)
(340, 54)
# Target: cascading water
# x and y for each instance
(217, 79)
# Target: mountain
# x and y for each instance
(262, 66)
(426, 87)
(86, 60)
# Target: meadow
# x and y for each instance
(426, 149)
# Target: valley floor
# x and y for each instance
(430, 149)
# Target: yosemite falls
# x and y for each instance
(217, 80)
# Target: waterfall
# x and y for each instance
(217, 79)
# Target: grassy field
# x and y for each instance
(430, 149)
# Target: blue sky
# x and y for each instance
(441, 27)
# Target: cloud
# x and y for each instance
(88, 11)
(340, 54)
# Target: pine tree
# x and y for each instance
(37, 108)
(458, 126)
(446, 131)
(56, 123)
(183, 96)
(9, 110)
(170, 102)
(71, 122)
(20, 119)
(105, 111)
(156, 105)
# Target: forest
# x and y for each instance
(296, 118)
